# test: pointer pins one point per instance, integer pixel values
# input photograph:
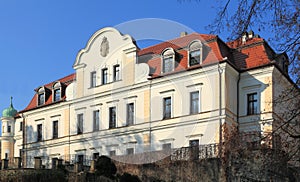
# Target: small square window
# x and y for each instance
(166, 146)
(112, 153)
(129, 151)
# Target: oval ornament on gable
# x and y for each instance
(104, 49)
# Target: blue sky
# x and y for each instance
(39, 40)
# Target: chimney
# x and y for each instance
(250, 34)
(182, 34)
(244, 37)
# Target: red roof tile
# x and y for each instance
(65, 81)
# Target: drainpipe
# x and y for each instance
(238, 103)
(220, 108)
(150, 124)
(23, 141)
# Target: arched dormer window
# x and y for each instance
(195, 53)
(56, 91)
(41, 94)
(168, 60)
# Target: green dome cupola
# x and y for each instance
(10, 111)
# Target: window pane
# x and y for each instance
(96, 120)
(112, 117)
(93, 79)
(79, 123)
(39, 132)
(167, 108)
(166, 146)
(194, 107)
(168, 64)
(57, 95)
(129, 151)
(116, 72)
(130, 114)
(194, 57)
(41, 99)
(104, 76)
(55, 129)
(112, 153)
(21, 126)
(252, 104)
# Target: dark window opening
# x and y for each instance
(130, 114)
(96, 120)
(116, 72)
(41, 99)
(104, 76)
(194, 107)
(55, 129)
(93, 79)
(39, 132)
(79, 123)
(112, 117)
(252, 104)
(167, 108)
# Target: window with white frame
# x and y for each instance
(252, 103)
(96, 120)
(56, 91)
(195, 53)
(55, 129)
(168, 60)
(194, 102)
(39, 132)
(93, 82)
(116, 71)
(112, 117)
(167, 108)
(104, 76)
(79, 123)
(41, 96)
(130, 114)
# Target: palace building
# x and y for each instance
(123, 100)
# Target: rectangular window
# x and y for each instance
(8, 129)
(167, 108)
(194, 149)
(96, 120)
(79, 123)
(112, 117)
(112, 153)
(57, 95)
(130, 114)
(104, 76)
(41, 99)
(116, 72)
(129, 151)
(96, 156)
(168, 64)
(252, 103)
(194, 57)
(80, 159)
(166, 146)
(39, 132)
(194, 100)
(55, 129)
(93, 79)
(21, 126)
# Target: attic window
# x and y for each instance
(56, 91)
(41, 96)
(195, 53)
(168, 60)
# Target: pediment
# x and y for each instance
(104, 44)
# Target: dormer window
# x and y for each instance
(195, 56)
(41, 96)
(168, 60)
(56, 91)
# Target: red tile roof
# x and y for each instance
(253, 53)
(65, 81)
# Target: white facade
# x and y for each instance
(109, 76)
